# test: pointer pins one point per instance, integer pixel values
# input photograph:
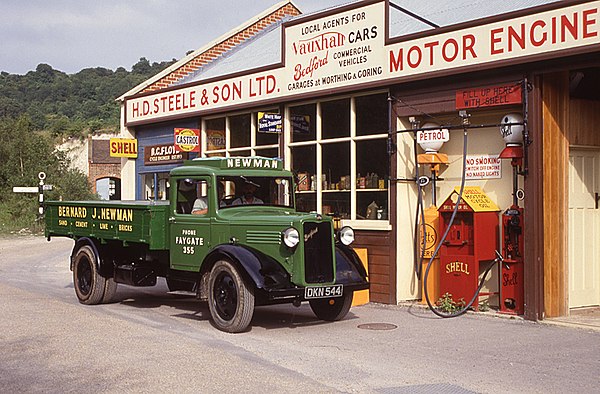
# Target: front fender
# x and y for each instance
(348, 267)
(264, 271)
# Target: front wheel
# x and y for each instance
(89, 284)
(332, 309)
(230, 299)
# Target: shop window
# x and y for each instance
(371, 179)
(304, 163)
(156, 186)
(269, 152)
(371, 114)
(303, 119)
(241, 135)
(336, 179)
(240, 152)
(239, 131)
(269, 127)
(335, 116)
(215, 135)
(341, 164)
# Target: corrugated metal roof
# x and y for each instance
(265, 48)
(451, 12)
(262, 50)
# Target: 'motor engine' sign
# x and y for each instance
(187, 140)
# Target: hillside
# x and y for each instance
(71, 104)
(41, 109)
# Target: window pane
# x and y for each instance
(337, 203)
(336, 177)
(304, 121)
(270, 152)
(372, 162)
(239, 130)
(335, 117)
(304, 165)
(336, 166)
(371, 114)
(267, 132)
(240, 153)
(306, 202)
(371, 180)
(371, 205)
(192, 196)
(215, 134)
(252, 190)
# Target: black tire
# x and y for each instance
(230, 299)
(110, 289)
(89, 284)
(332, 309)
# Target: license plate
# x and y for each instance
(323, 291)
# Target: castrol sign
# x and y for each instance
(431, 138)
(187, 140)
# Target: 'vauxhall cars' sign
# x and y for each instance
(350, 50)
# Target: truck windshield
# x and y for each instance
(243, 190)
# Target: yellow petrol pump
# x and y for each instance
(431, 138)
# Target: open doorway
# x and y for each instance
(109, 188)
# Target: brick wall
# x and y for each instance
(99, 171)
(219, 49)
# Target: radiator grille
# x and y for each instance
(318, 257)
(263, 237)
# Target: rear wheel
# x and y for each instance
(230, 299)
(89, 284)
(332, 309)
(110, 289)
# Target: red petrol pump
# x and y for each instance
(471, 241)
(511, 271)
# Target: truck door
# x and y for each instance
(190, 222)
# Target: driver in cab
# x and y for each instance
(248, 197)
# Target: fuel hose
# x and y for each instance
(443, 239)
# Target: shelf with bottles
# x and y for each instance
(371, 181)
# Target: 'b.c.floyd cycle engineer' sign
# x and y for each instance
(349, 48)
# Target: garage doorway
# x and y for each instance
(584, 227)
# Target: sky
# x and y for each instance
(71, 35)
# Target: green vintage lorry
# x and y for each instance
(229, 234)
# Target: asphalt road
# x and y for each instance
(151, 341)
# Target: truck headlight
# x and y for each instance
(291, 237)
(346, 235)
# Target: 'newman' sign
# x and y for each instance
(350, 49)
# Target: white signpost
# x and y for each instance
(36, 189)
